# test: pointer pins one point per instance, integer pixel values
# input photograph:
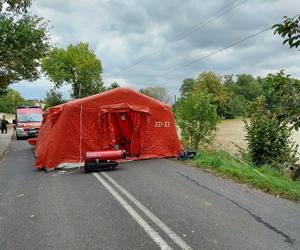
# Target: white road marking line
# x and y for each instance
(180, 242)
(147, 228)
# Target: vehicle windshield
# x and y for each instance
(30, 117)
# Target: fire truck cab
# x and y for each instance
(28, 121)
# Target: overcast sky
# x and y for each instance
(122, 33)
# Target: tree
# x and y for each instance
(289, 29)
(53, 98)
(197, 117)
(15, 5)
(29, 103)
(242, 90)
(76, 65)
(271, 122)
(268, 137)
(228, 80)
(113, 86)
(158, 93)
(23, 42)
(236, 106)
(248, 87)
(285, 94)
(211, 83)
(10, 101)
(187, 87)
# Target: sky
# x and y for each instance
(144, 43)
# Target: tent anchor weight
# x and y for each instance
(102, 160)
(187, 154)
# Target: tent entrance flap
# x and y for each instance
(123, 127)
(125, 130)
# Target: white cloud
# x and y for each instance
(121, 81)
(125, 32)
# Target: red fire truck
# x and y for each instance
(28, 121)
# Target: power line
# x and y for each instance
(217, 51)
(197, 27)
(219, 13)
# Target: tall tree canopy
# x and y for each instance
(229, 93)
(76, 65)
(113, 85)
(10, 101)
(247, 86)
(158, 93)
(211, 83)
(187, 87)
(15, 5)
(53, 98)
(23, 42)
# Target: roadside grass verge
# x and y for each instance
(273, 181)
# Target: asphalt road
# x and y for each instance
(151, 204)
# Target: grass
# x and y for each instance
(272, 182)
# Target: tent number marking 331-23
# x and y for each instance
(161, 124)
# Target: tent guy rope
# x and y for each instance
(220, 146)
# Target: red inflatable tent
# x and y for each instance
(118, 118)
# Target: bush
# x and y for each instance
(268, 137)
(197, 118)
